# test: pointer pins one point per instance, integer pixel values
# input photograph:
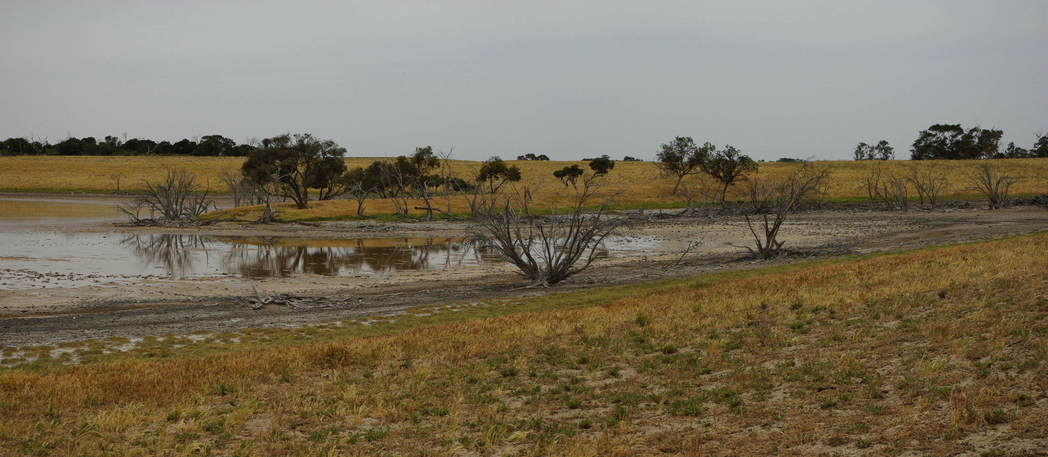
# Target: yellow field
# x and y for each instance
(630, 183)
(934, 352)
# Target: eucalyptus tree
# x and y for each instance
(727, 166)
(293, 164)
(681, 157)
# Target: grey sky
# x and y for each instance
(564, 78)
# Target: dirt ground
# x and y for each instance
(158, 307)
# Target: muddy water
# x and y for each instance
(40, 247)
(17, 212)
(54, 259)
(38, 250)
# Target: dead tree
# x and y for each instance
(265, 183)
(265, 192)
(394, 181)
(424, 190)
(930, 181)
(117, 177)
(175, 198)
(700, 190)
(994, 184)
(772, 202)
(886, 188)
(447, 175)
(238, 186)
(546, 250)
(473, 194)
(359, 194)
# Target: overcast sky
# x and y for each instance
(564, 78)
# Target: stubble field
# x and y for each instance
(629, 185)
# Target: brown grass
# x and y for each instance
(630, 183)
(938, 351)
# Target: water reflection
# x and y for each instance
(254, 257)
(173, 252)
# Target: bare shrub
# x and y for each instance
(489, 179)
(117, 177)
(930, 181)
(264, 192)
(447, 175)
(474, 197)
(424, 191)
(359, 186)
(886, 188)
(774, 201)
(177, 198)
(699, 190)
(991, 181)
(546, 250)
(238, 186)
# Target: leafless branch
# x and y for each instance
(546, 250)
(884, 187)
(774, 201)
(930, 181)
(994, 184)
(176, 198)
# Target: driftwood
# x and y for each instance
(687, 250)
(298, 302)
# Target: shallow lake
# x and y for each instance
(35, 252)
(34, 259)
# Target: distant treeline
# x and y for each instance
(954, 142)
(208, 145)
(937, 142)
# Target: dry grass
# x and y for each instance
(630, 184)
(938, 351)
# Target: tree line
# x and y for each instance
(937, 142)
(207, 145)
(954, 142)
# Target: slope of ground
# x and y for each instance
(934, 352)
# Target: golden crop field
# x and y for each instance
(936, 352)
(629, 184)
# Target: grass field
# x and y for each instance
(936, 351)
(630, 184)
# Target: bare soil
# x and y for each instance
(158, 307)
